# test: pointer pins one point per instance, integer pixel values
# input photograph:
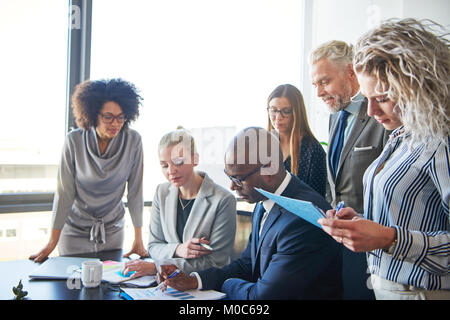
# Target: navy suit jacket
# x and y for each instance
(293, 259)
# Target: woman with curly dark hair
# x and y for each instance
(99, 159)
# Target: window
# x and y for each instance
(33, 61)
(208, 66)
(23, 234)
(34, 65)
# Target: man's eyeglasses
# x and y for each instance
(238, 181)
(286, 112)
(109, 117)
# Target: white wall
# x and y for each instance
(347, 20)
(436, 10)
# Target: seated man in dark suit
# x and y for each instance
(286, 257)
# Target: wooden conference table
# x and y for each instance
(13, 271)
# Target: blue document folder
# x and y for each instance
(303, 209)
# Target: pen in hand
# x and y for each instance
(204, 245)
(177, 271)
(338, 208)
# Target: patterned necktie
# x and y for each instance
(338, 142)
(259, 211)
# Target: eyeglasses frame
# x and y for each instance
(239, 182)
(282, 112)
(103, 115)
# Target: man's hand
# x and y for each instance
(180, 282)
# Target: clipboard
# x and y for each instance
(304, 209)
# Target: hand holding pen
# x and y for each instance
(341, 231)
(193, 248)
(163, 281)
(342, 213)
(338, 208)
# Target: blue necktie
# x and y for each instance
(258, 216)
(338, 142)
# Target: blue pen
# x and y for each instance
(338, 208)
(169, 277)
(174, 274)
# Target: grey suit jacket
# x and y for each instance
(213, 215)
(364, 144)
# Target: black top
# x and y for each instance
(183, 210)
(312, 166)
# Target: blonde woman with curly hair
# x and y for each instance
(403, 69)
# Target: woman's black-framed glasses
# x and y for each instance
(109, 117)
(286, 112)
(238, 181)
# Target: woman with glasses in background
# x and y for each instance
(99, 159)
(193, 219)
(303, 155)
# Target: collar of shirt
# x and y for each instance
(268, 204)
(355, 104)
(398, 132)
(353, 108)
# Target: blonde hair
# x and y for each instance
(338, 52)
(412, 64)
(180, 135)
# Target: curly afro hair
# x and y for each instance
(90, 96)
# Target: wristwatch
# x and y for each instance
(393, 245)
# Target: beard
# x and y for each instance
(339, 102)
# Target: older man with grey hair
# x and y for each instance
(355, 139)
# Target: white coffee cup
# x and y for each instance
(91, 273)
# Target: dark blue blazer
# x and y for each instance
(293, 259)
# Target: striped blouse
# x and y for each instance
(411, 192)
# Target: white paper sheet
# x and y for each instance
(171, 294)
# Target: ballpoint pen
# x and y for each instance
(204, 245)
(177, 271)
(338, 208)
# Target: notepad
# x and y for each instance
(170, 294)
(303, 209)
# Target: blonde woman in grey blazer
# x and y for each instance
(187, 211)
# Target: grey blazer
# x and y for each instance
(213, 215)
(363, 146)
